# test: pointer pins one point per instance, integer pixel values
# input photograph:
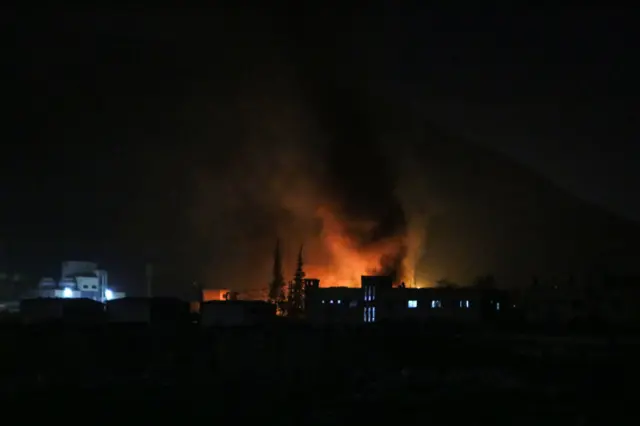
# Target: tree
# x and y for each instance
(445, 283)
(296, 293)
(276, 287)
(485, 282)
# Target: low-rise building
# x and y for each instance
(459, 304)
(236, 312)
(157, 310)
(376, 300)
(79, 311)
(79, 280)
(334, 305)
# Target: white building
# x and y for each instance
(79, 280)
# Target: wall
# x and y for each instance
(40, 310)
(376, 303)
(334, 305)
(214, 294)
(158, 310)
(129, 310)
(459, 304)
(89, 284)
(84, 311)
(231, 313)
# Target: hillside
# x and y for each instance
(500, 217)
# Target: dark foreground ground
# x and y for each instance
(298, 375)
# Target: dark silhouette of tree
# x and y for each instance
(296, 293)
(485, 282)
(276, 287)
(445, 283)
(535, 281)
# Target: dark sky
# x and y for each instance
(108, 105)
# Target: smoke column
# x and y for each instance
(303, 159)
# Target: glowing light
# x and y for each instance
(108, 294)
(67, 293)
(348, 260)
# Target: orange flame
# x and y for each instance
(347, 260)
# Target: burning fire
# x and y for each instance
(348, 260)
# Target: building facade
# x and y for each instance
(236, 313)
(79, 311)
(156, 310)
(334, 305)
(377, 300)
(78, 280)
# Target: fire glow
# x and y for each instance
(348, 260)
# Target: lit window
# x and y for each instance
(497, 306)
(436, 304)
(464, 304)
(373, 314)
(331, 301)
(323, 301)
(369, 294)
(412, 304)
(339, 302)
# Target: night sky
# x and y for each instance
(139, 135)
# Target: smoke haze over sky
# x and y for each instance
(195, 139)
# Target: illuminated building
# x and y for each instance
(78, 280)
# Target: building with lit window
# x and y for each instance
(78, 280)
(458, 304)
(333, 304)
(377, 300)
